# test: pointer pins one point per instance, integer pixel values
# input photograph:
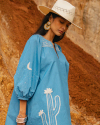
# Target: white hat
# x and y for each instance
(62, 8)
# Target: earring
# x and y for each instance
(47, 25)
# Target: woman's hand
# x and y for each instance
(21, 115)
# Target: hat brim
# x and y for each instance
(45, 10)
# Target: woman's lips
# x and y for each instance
(60, 31)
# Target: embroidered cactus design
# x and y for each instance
(53, 109)
(43, 117)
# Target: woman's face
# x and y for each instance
(59, 25)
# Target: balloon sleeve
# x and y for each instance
(26, 78)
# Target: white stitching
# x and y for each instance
(53, 109)
(64, 10)
(57, 48)
(46, 44)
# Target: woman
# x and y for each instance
(40, 95)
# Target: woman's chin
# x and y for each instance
(58, 34)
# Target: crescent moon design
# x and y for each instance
(28, 66)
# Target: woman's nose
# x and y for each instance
(64, 27)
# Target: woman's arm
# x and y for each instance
(23, 104)
(22, 111)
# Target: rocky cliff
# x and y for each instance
(87, 16)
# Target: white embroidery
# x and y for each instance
(64, 10)
(41, 112)
(52, 111)
(28, 66)
(48, 91)
(57, 48)
(43, 117)
(46, 44)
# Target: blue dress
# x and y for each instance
(41, 78)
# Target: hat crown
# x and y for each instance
(65, 9)
(64, 4)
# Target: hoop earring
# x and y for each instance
(47, 25)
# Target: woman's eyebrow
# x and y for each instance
(69, 23)
(65, 20)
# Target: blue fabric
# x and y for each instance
(42, 79)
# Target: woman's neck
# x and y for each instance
(49, 36)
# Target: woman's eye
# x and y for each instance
(67, 25)
(61, 22)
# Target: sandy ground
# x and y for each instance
(84, 73)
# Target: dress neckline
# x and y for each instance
(54, 46)
(46, 39)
